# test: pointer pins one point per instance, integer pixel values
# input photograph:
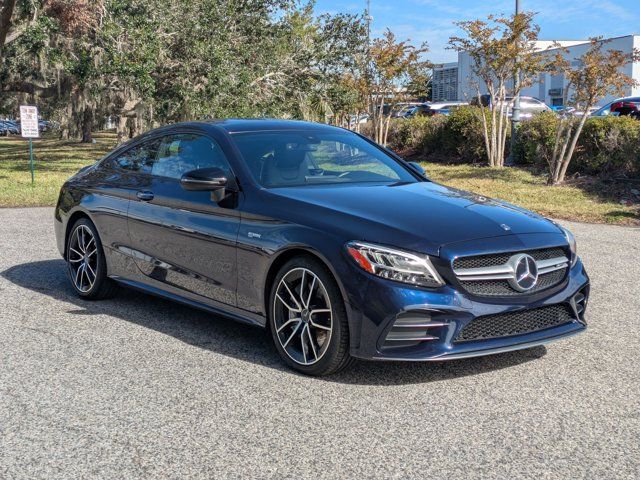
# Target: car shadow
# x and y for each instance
(233, 339)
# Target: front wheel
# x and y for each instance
(86, 262)
(307, 318)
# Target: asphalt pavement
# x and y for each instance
(137, 387)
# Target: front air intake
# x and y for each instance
(515, 323)
(580, 303)
(411, 329)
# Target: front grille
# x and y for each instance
(516, 323)
(492, 260)
(501, 288)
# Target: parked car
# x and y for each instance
(529, 106)
(358, 119)
(337, 246)
(573, 111)
(620, 107)
(399, 110)
(9, 127)
(432, 109)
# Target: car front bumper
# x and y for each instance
(447, 312)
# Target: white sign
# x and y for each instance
(29, 121)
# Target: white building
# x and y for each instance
(549, 88)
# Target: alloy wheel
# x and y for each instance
(303, 316)
(83, 258)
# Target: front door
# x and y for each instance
(185, 239)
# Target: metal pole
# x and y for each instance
(33, 179)
(368, 23)
(515, 114)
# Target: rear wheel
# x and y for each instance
(308, 320)
(86, 262)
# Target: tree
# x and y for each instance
(311, 58)
(499, 48)
(598, 74)
(394, 67)
(48, 58)
(149, 62)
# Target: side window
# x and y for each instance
(184, 152)
(139, 158)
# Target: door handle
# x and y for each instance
(145, 196)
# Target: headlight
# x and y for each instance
(394, 264)
(572, 245)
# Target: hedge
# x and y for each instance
(607, 146)
(456, 137)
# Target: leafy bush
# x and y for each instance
(610, 146)
(457, 136)
(607, 146)
(536, 139)
(462, 137)
(415, 135)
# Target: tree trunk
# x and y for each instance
(386, 131)
(380, 121)
(87, 124)
(485, 127)
(572, 148)
(494, 124)
(121, 129)
(6, 12)
(557, 163)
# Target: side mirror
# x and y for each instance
(418, 168)
(204, 179)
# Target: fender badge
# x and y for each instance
(505, 226)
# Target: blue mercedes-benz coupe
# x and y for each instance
(336, 245)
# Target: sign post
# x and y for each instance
(29, 129)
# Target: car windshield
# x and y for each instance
(282, 159)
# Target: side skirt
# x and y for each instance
(231, 313)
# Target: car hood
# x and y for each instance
(421, 216)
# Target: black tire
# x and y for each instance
(330, 358)
(102, 287)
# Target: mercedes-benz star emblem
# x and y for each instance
(525, 272)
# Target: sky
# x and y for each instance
(432, 20)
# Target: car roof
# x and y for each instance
(627, 99)
(242, 125)
(439, 105)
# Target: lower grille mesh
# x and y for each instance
(517, 323)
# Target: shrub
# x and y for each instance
(462, 135)
(610, 146)
(457, 136)
(536, 139)
(414, 135)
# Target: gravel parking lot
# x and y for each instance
(137, 387)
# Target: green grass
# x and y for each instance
(588, 200)
(55, 161)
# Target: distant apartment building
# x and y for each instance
(548, 87)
